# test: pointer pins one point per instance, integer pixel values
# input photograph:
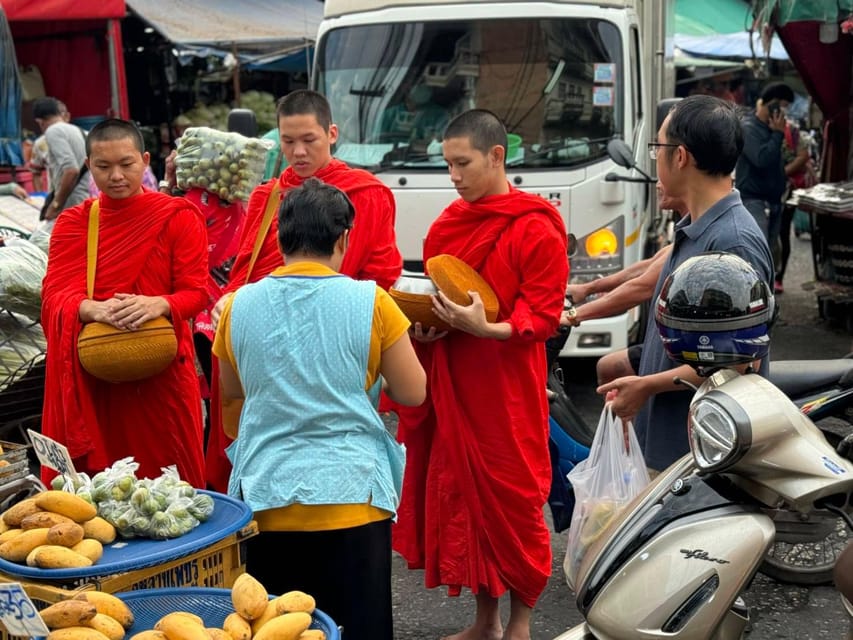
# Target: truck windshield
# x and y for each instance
(555, 82)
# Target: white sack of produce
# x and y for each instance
(224, 163)
(22, 268)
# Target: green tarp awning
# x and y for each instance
(702, 18)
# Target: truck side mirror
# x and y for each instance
(620, 153)
(243, 121)
(664, 107)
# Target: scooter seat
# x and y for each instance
(798, 377)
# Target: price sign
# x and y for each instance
(18, 613)
(52, 454)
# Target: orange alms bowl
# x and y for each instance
(119, 355)
(454, 278)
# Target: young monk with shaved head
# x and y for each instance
(151, 262)
(478, 471)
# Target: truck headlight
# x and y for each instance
(719, 432)
(598, 254)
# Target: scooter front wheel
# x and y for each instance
(806, 547)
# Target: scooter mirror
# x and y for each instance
(621, 153)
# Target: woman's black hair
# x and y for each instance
(312, 217)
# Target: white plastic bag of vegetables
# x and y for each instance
(165, 507)
(22, 268)
(224, 163)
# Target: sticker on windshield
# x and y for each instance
(604, 72)
(602, 96)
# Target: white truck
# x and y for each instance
(565, 77)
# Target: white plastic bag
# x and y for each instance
(22, 268)
(603, 483)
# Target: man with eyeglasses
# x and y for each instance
(696, 150)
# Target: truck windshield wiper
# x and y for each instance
(565, 144)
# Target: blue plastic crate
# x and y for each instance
(213, 605)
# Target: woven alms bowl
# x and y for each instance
(455, 279)
(412, 295)
(118, 355)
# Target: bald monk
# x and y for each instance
(151, 262)
(477, 469)
(307, 134)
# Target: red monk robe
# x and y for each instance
(150, 244)
(372, 254)
(477, 469)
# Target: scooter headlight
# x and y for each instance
(719, 432)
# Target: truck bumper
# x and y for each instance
(595, 338)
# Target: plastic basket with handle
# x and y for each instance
(212, 605)
(14, 464)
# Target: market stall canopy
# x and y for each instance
(75, 46)
(225, 22)
(720, 29)
(730, 45)
(43, 10)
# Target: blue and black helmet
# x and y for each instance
(714, 310)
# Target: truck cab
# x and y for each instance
(564, 77)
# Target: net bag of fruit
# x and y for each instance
(223, 163)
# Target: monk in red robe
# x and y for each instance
(478, 471)
(307, 135)
(151, 262)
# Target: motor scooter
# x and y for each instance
(675, 560)
(807, 545)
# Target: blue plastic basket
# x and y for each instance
(213, 605)
(229, 515)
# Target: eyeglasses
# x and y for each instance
(653, 148)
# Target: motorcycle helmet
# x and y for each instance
(714, 311)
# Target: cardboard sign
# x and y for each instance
(52, 454)
(18, 613)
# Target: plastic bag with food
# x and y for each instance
(226, 164)
(22, 268)
(612, 475)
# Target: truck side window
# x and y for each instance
(636, 74)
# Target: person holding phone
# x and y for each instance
(760, 171)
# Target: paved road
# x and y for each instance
(778, 611)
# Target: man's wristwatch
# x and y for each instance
(164, 184)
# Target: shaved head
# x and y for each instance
(115, 129)
(483, 128)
